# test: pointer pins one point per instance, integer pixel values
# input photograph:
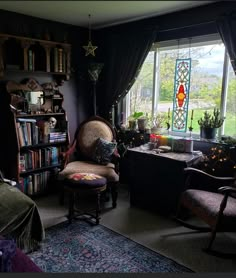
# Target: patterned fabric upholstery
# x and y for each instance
(89, 133)
(103, 151)
(107, 171)
(85, 180)
(206, 205)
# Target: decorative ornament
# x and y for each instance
(181, 94)
(90, 48)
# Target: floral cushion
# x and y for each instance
(86, 179)
(103, 151)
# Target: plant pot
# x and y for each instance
(208, 132)
(132, 124)
(142, 124)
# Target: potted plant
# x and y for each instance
(133, 119)
(209, 124)
(158, 123)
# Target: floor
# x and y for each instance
(156, 232)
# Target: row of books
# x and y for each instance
(35, 183)
(32, 132)
(58, 136)
(38, 158)
(59, 60)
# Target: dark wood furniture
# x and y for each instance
(79, 158)
(217, 208)
(79, 186)
(23, 54)
(35, 147)
(156, 180)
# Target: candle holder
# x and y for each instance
(168, 121)
(191, 125)
(190, 128)
(168, 126)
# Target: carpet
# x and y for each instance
(82, 247)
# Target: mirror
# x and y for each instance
(35, 100)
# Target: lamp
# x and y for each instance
(94, 70)
(89, 48)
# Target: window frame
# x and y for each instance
(184, 43)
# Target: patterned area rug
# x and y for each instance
(81, 247)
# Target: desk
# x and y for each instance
(156, 180)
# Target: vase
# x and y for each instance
(208, 133)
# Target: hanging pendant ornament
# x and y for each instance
(90, 48)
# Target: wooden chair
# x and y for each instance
(94, 150)
(210, 198)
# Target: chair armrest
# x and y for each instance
(229, 190)
(66, 155)
(200, 172)
(199, 179)
(115, 159)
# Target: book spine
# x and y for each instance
(60, 60)
(30, 60)
(56, 59)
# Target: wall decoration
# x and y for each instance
(181, 94)
(90, 48)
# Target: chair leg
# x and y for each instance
(61, 194)
(71, 207)
(114, 194)
(98, 208)
(213, 236)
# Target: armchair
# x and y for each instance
(214, 203)
(94, 150)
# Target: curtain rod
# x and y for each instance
(189, 26)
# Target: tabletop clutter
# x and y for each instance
(167, 143)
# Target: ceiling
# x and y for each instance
(103, 13)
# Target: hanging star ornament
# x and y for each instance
(90, 49)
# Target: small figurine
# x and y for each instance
(52, 122)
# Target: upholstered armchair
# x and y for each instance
(93, 150)
(210, 198)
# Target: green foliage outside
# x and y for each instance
(205, 88)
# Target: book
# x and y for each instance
(56, 59)
(22, 164)
(31, 60)
(20, 135)
(60, 59)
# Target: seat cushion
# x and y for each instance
(85, 180)
(206, 205)
(107, 171)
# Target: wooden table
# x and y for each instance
(156, 180)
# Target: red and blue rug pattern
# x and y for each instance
(82, 247)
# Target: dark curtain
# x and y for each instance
(226, 26)
(125, 53)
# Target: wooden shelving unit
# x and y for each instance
(23, 54)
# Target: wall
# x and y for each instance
(75, 91)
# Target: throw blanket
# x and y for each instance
(19, 218)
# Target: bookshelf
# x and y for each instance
(41, 129)
(23, 54)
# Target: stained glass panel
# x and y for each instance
(181, 94)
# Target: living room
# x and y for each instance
(120, 41)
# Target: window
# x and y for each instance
(212, 83)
